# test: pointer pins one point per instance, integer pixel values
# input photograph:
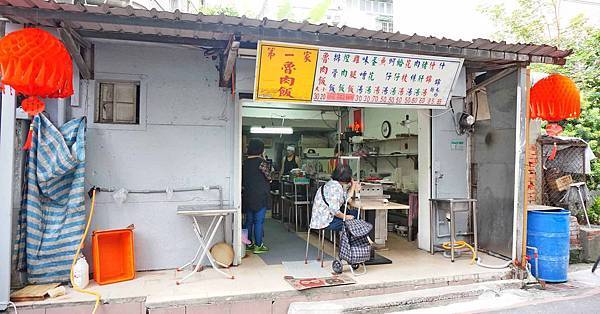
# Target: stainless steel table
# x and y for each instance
(451, 205)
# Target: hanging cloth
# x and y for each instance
(52, 217)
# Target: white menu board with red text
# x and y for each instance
(381, 79)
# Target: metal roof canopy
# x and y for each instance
(214, 31)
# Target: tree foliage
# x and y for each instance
(285, 11)
(539, 21)
(216, 10)
(318, 12)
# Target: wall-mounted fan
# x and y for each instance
(405, 124)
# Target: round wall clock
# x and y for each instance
(386, 129)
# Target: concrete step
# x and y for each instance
(402, 301)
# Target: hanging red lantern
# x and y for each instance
(554, 98)
(34, 63)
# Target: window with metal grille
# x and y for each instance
(386, 26)
(118, 102)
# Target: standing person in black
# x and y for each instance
(256, 179)
(289, 162)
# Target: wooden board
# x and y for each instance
(531, 207)
(32, 292)
(372, 204)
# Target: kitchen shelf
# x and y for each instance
(392, 159)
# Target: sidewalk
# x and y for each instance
(498, 296)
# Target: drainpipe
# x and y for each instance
(62, 112)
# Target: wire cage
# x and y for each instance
(563, 162)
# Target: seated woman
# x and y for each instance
(327, 206)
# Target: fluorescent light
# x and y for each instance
(271, 130)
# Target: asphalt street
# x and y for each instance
(581, 294)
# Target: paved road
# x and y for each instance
(581, 294)
(570, 305)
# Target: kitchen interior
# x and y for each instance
(379, 144)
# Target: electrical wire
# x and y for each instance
(327, 124)
(14, 306)
(87, 228)
(501, 266)
(437, 115)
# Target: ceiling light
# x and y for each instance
(271, 130)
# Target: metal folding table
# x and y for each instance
(218, 214)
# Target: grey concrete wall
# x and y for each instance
(494, 156)
(185, 139)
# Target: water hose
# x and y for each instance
(87, 227)
(461, 245)
(501, 266)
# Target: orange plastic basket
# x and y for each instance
(112, 251)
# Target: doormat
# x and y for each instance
(310, 283)
(285, 245)
(312, 269)
(378, 260)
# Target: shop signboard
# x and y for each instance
(358, 78)
(285, 72)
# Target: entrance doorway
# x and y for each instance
(302, 145)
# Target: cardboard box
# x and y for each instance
(561, 184)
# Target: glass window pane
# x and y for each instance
(106, 112)
(125, 92)
(106, 92)
(124, 112)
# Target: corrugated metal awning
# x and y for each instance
(215, 30)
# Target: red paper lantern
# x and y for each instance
(554, 98)
(36, 64)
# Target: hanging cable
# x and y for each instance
(438, 115)
(87, 228)
(327, 124)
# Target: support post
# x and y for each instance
(227, 62)
(75, 52)
(424, 236)
(520, 190)
(7, 162)
(230, 56)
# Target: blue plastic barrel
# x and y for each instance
(548, 231)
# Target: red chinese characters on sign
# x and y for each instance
(288, 80)
(380, 78)
(270, 52)
(307, 56)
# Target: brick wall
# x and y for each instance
(532, 162)
(575, 241)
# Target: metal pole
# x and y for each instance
(583, 206)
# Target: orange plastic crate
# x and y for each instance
(112, 251)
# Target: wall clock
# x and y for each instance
(386, 129)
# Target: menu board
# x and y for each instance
(355, 78)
